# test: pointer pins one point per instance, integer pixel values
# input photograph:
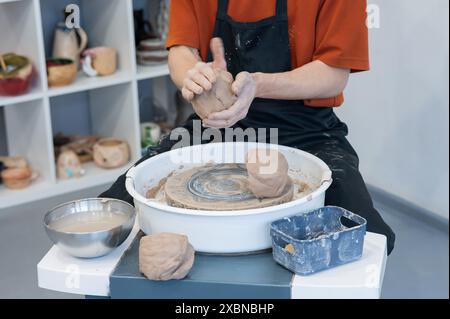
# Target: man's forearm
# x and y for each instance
(314, 80)
(181, 60)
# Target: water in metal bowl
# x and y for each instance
(90, 228)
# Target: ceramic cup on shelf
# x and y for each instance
(100, 61)
(16, 74)
(61, 71)
(111, 153)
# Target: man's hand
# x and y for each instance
(202, 77)
(244, 87)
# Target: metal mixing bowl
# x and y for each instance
(90, 244)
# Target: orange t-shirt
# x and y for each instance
(332, 31)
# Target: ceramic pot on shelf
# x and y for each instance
(69, 43)
(111, 153)
(18, 178)
(61, 72)
(16, 74)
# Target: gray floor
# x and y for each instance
(418, 268)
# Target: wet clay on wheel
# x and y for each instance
(267, 172)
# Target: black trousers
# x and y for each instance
(348, 189)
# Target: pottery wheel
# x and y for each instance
(217, 187)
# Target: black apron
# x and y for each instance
(263, 46)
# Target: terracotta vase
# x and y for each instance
(111, 153)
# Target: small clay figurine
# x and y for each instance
(69, 165)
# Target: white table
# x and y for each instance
(358, 280)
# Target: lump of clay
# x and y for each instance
(218, 99)
(165, 256)
(267, 173)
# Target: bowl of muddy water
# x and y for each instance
(90, 228)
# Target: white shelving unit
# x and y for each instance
(112, 102)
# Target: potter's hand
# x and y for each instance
(245, 89)
(202, 77)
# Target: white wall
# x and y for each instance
(398, 113)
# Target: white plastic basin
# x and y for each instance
(223, 232)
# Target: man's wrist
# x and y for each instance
(258, 77)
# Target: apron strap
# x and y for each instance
(222, 9)
(281, 11)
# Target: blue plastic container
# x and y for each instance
(317, 240)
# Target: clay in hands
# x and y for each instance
(219, 98)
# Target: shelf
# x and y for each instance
(150, 72)
(20, 34)
(6, 1)
(94, 176)
(9, 197)
(41, 189)
(103, 106)
(34, 94)
(85, 83)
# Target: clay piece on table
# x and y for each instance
(267, 173)
(165, 256)
(218, 99)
